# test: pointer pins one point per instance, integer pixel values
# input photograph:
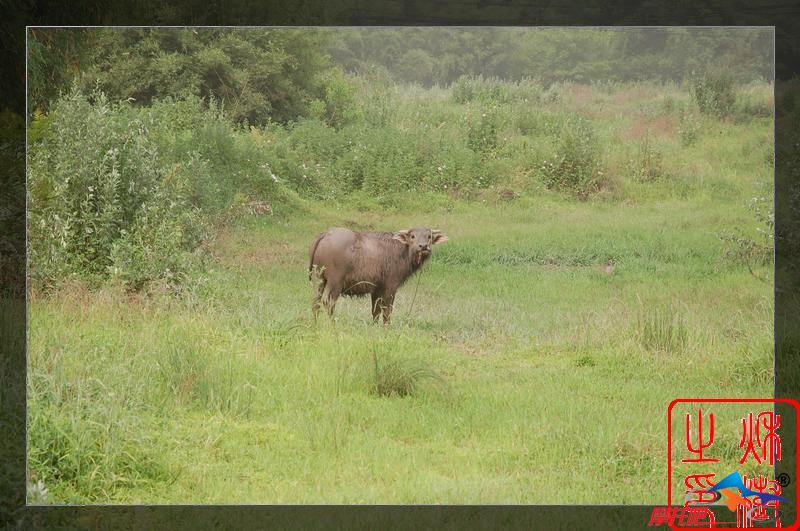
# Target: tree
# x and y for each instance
(259, 74)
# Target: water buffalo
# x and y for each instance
(358, 263)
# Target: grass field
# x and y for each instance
(546, 339)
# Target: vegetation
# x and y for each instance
(610, 243)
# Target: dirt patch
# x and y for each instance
(661, 126)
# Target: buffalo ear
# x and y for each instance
(438, 237)
(401, 236)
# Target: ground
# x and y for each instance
(528, 359)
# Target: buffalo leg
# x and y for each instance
(329, 299)
(377, 305)
(386, 306)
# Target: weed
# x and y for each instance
(688, 128)
(752, 252)
(647, 162)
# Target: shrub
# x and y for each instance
(100, 194)
(338, 107)
(714, 92)
(743, 249)
(455, 167)
(527, 122)
(576, 167)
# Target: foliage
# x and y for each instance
(752, 101)
(576, 167)
(744, 249)
(133, 195)
(376, 96)
(259, 74)
(714, 92)
(689, 127)
(481, 124)
(102, 201)
(338, 106)
(430, 56)
(646, 165)
(54, 59)
(494, 90)
(86, 460)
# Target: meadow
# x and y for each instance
(609, 251)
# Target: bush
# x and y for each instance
(338, 107)
(745, 250)
(576, 167)
(714, 93)
(100, 194)
(527, 122)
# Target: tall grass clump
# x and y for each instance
(753, 101)
(377, 98)
(662, 328)
(646, 165)
(479, 88)
(492, 89)
(189, 376)
(88, 448)
(399, 376)
(689, 127)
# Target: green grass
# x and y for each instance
(236, 396)
(523, 356)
